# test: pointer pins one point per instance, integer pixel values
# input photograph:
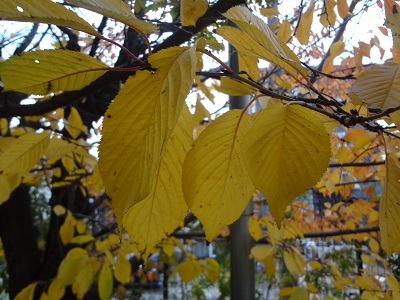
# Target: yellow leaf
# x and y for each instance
(392, 22)
(389, 208)
(23, 153)
(378, 86)
(83, 281)
(232, 87)
(261, 252)
(74, 124)
(300, 294)
(188, 270)
(138, 123)
(47, 71)
(67, 229)
(211, 269)
(105, 283)
(200, 113)
(191, 10)
(123, 269)
(343, 8)
(287, 291)
(81, 239)
(392, 283)
(249, 65)
(304, 27)
(71, 264)
(358, 58)
(117, 10)
(3, 126)
(27, 292)
(205, 89)
(337, 49)
(44, 11)
(328, 65)
(215, 181)
(289, 146)
(164, 209)
(8, 184)
(168, 247)
(269, 11)
(254, 228)
(316, 265)
(257, 40)
(284, 32)
(58, 148)
(56, 289)
(269, 265)
(294, 263)
(328, 15)
(59, 210)
(312, 288)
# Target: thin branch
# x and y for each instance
(320, 234)
(28, 39)
(357, 182)
(96, 40)
(357, 164)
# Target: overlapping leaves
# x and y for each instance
(257, 40)
(138, 124)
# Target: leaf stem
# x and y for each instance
(129, 53)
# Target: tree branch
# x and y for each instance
(67, 98)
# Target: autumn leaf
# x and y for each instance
(188, 270)
(191, 10)
(289, 146)
(378, 86)
(74, 123)
(71, 265)
(44, 11)
(117, 10)
(27, 292)
(21, 154)
(105, 282)
(123, 269)
(304, 26)
(215, 181)
(138, 123)
(257, 40)
(83, 281)
(284, 32)
(328, 15)
(164, 209)
(232, 87)
(47, 71)
(389, 212)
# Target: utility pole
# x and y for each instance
(242, 267)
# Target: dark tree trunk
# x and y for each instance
(19, 237)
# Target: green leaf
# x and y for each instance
(105, 283)
(47, 71)
(379, 86)
(138, 123)
(257, 40)
(44, 11)
(23, 153)
(117, 10)
(164, 209)
(287, 150)
(389, 207)
(215, 180)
